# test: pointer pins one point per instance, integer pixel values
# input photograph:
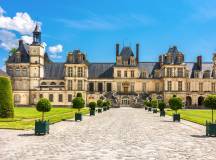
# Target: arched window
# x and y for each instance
(61, 83)
(52, 83)
(43, 83)
(24, 72)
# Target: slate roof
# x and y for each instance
(100, 70)
(2, 73)
(54, 71)
(126, 52)
(149, 66)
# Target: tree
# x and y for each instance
(92, 105)
(78, 103)
(79, 94)
(12, 51)
(100, 103)
(105, 104)
(175, 103)
(154, 103)
(161, 105)
(43, 106)
(6, 98)
(147, 103)
(210, 102)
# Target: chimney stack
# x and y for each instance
(137, 53)
(117, 49)
(199, 62)
(20, 43)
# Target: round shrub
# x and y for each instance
(147, 103)
(161, 105)
(43, 105)
(175, 103)
(6, 100)
(210, 102)
(99, 103)
(78, 103)
(154, 103)
(92, 105)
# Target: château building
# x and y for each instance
(126, 81)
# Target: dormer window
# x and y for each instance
(196, 74)
(207, 74)
(143, 74)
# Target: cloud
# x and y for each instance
(7, 40)
(27, 39)
(108, 22)
(54, 50)
(21, 23)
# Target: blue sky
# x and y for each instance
(94, 26)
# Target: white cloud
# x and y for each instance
(21, 23)
(7, 40)
(54, 50)
(27, 39)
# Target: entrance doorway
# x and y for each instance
(125, 89)
(125, 102)
(188, 101)
(200, 101)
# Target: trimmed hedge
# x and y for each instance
(6, 98)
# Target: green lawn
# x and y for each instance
(197, 116)
(26, 116)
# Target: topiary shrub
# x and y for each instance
(43, 106)
(79, 95)
(99, 103)
(78, 103)
(147, 103)
(154, 103)
(161, 105)
(175, 103)
(92, 105)
(6, 98)
(210, 102)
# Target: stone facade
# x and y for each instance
(126, 82)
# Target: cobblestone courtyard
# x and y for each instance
(123, 133)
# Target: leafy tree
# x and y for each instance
(210, 102)
(6, 98)
(43, 105)
(147, 103)
(100, 103)
(175, 103)
(161, 105)
(12, 51)
(78, 103)
(79, 95)
(92, 105)
(154, 103)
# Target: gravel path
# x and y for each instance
(124, 133)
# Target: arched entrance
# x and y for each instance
(125, 101)
(188, 101)
(200, 101)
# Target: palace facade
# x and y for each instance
(126, 81)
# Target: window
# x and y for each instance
(91, 87)
(118, 87)
(143, 74)
(61, 83)
(24, 72)
(157, 74)
(132, 87)
(169, 72)
(109, 87)
(17, 98)
(157, 87)
(100, 87)
(10, 72)
(196, 74)
(200, 87)
(80, 72)
(207, 74)
(188, 86)
(144, 87)
(70, 85)
(69, 97)
(60, 98)
(169, 84)
(125, 74)
(41, 96)
(80, 87)
(70, 72)
(180, 72)
(179, 85)
(118, 73)
(17, 72)
(43, 83)
(52, 83)
(51, 97)
(213, 87)
(132, 74)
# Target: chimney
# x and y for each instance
(199, 62)
(137, 53)
(117, 49)
(20, 43)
